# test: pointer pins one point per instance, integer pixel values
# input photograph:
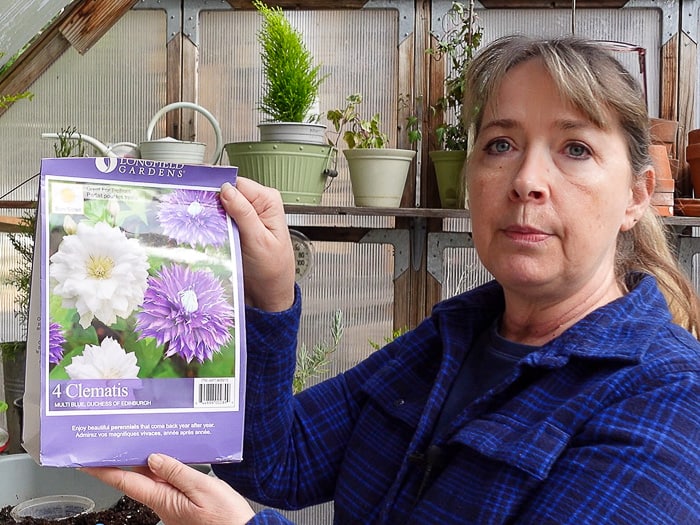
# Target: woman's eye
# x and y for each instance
(498, 146)
(578, 150)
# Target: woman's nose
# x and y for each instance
(530, 182)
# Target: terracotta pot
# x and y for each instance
(664, 185)
(692, 156)
(659, 155)
(694, 136)
(664, 132)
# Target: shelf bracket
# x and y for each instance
(406, 12)
(183, 16)
(399, 239)
(418, 229)
(437, 243)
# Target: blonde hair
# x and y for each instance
(602, 89)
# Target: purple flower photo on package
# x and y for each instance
(186, 311)
(110, 268)
(193, 217)
(56, 341)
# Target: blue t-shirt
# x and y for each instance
(488, 362)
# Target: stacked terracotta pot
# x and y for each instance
(663, 151)
(692, 156)
(662, 198)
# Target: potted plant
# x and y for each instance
(292, 155)
(290, 82)
(459, 40)
(377, 173)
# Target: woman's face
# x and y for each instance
(548, 191)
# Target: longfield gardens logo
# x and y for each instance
(106, 164)
(139, 167)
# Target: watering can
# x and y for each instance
(164, 150)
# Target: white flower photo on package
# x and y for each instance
(140, 328)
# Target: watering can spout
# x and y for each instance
(103, 149)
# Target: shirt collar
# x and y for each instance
(622, 329)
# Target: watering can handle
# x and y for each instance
(200, 109)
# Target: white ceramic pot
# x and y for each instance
(294, 132)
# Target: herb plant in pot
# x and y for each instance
(457, 44)
(292, 155)
(377, 173)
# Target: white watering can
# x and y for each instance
(165, 150)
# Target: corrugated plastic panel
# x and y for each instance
(104, 93)
(356, 49)
(461, 268)
(21, 19)
(638, 26)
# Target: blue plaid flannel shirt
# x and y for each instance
(601, 425)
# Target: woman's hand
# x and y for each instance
(180, 495)
(268, 257)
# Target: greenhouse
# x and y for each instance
(182, 96)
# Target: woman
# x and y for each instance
(565, 391)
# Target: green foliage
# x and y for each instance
(396, 333)
(314, 362)
(19, 277)
(291, 82)
(6, 100)
(412, 122)
(3, 407)
(358, 132)
(66, 147)
(457, 45)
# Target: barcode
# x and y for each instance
(213, 392)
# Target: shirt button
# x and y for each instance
(399, 402)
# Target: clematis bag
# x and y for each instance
(136, 337)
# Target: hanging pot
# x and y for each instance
(299, 171)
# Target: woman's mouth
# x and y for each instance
(525, 234)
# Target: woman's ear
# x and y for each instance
(640, 198)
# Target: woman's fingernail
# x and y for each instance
(226, 186)
(155, 461)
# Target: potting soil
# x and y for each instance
(126, 511)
